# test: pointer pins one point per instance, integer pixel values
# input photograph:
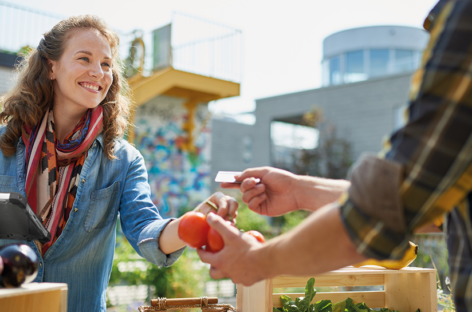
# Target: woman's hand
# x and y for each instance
(223, 205)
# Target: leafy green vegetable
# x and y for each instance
(310, 292)
(303, 304)
(324, 306)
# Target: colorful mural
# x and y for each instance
(179, 179)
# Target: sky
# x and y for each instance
(282, 40)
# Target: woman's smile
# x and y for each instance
(91, 86)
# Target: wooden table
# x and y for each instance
(37, 297)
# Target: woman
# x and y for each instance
(63, 148)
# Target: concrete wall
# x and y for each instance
(362, 112)
(229, 151)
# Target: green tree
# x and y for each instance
(332, 158)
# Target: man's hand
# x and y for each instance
(273, 196)
(237, 259)
(280, 191)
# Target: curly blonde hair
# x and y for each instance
(33, 95)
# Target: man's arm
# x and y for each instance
(280, 191)
(317, 245)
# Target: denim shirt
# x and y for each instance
(82, 256)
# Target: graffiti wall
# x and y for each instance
(179, 179)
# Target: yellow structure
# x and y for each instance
(193, 88)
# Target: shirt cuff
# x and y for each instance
(149, 244)
(370, 236)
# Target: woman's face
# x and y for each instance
(83, 75)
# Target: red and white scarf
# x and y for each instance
(53, 168)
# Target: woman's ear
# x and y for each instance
(52, 69)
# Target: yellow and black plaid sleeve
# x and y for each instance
(434, 148)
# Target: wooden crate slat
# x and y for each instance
(255, 298)
(330, 280)
(373, 269)
(406, 290)
(373, 299)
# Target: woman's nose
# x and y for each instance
(96, 71)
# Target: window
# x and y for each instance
(355, 67)
(325, 73)
(335, 71)
(378, 62)
(247, 149)
(293, 136)
(404, 60)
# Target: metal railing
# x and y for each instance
(21, 26)
(193, 45)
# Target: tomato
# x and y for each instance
(193, 229)
(215, 241)
(260, 238)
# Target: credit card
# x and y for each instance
(228, 177)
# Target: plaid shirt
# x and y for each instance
(425, 170)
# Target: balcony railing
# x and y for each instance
(189, 44)
(21, 26)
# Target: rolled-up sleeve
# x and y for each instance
(140, 219)
(425, 169)
(148, 244)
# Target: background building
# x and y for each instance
(7, 73)
(366, 78)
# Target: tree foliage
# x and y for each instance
(333, 156)
(185, 278)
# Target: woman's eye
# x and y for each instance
(106, 64)
(84, 58)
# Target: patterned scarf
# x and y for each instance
(53, 169)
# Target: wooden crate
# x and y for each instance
(404, 290)
(37, 297)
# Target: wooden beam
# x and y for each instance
(168, 79)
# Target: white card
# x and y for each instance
(228, 176)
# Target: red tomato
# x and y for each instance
(215, 241)
(260, 238)
(193, 229)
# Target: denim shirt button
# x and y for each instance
(41, 264)
(75, 209)
(83, 180)
(95, 144)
